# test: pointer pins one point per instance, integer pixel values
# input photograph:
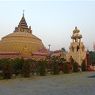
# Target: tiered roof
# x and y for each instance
(23, 23)
(23, 27)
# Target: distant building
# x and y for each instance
(77, 48)
(40, 54)
(21, 42)
(59, 53)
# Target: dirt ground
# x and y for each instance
(82, 83)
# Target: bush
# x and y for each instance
(61, 64)
(42, 67)
(1, 66)
(66, 68)
(75, 67)
(26, 69)
(33, 66)
(55, 65)
(7, 69)
(83, 66)
(17, 65)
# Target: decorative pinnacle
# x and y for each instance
(76, 27)
(76, 30)
(23, 13)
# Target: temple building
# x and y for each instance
(77, 48)
(21, 42)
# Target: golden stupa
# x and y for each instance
(21, 40)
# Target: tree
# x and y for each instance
(17, 65)
(42, 67)
(55, 65)
(26, 69)
(75, 67)
(83, 66)
(7, 69)
(63, 49)
(33, 66)
(0, 68)
(61, 64)
(66, 68)
(0, 64)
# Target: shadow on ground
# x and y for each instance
(93, 76)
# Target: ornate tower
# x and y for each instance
(23, 27)
(77, 48)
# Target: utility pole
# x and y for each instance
(49, 47)
(49, 50)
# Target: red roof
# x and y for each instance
(9, 53)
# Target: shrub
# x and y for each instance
(83, 66)
(42, 67)
(7, 69)
(1, 65)
(75, 67)
(55, 65)
(66, 68)
(61, 64)
(17, 65)
(26, 69)
(33, 66)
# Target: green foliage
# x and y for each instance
(55, 65)
(42, 67)
(1, 61)
(61, 64)
(26, 69)
(65, 68)
(32, 66)
(63, 49)
(92, 57)
(75, 67)
(83, 66)
(17, 65)
(1, 66)
(7, 68)
(74, 64)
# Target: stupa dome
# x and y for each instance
(21, 40)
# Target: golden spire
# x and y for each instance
(23, 13)
(22, 22)
(22, 26)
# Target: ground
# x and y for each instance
(82, 83)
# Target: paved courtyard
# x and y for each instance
(65, 84)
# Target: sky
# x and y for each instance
(53, 21)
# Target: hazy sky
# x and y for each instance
(52, 21)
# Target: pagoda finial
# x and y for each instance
(22, 23)
(23, 13)
(76, 27)
(76, 30)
